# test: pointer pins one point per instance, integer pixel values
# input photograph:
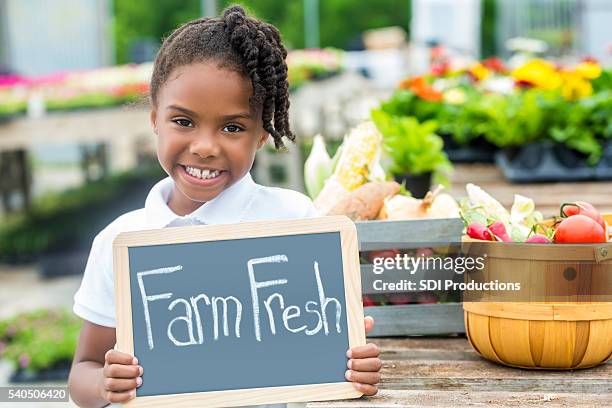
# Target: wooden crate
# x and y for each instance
(411, 319)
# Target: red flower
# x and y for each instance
(495, 64)
(440, 68)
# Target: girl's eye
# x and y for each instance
(232, 129)
(183, 122)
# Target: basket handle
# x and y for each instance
(603, 252)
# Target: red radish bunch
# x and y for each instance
(494, 232)
(579, 223)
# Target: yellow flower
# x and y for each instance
(539, 73)
(479, 72)
(588, 70)
(575, 86)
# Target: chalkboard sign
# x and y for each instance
(240, 314)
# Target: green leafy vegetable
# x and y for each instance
(413, 147)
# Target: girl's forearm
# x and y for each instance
(83, 384)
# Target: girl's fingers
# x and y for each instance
(363, 377)
(365, 364)
(369, 324)
(366, 389)
(121, 384)
(117, 357)
(369, 350)
(120, 397)
(122, 371)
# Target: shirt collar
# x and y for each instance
(229, 206)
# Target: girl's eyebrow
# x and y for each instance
(243, 115)
(181, 109)
(239, 115)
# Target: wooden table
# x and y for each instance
(547, 196)
(447, 372)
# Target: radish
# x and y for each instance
(478, 231)
(538, 239)
(499, 229)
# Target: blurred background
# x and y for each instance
(519, 92)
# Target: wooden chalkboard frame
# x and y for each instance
(259, 229)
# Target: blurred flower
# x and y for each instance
(2, 347)
(11, 331)
(440, 68)
(575, 86)
(479, 72)
(421, 88)
(588, 69)
(538, 73)
(455, 96)
(24, 360)
(499, 84)
(495, 64)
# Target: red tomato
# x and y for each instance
(385, 253)
(582, 208)
(579, 229)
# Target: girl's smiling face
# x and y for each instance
(208, 133)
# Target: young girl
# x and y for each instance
(218, 91)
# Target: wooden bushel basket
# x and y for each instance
(570, 324)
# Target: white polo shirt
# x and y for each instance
(243, 201)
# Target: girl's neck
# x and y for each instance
(181, 205)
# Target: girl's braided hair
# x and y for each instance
(236, 41)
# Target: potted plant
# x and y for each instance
(40, 344)
(414, 152)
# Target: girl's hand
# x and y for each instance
(120, 377)
(364, 364)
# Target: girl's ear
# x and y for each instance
(153, 117)
(262, 139)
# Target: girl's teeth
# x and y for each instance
(202, 174)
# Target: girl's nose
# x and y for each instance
(205, 146)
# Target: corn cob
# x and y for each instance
(360, 151)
